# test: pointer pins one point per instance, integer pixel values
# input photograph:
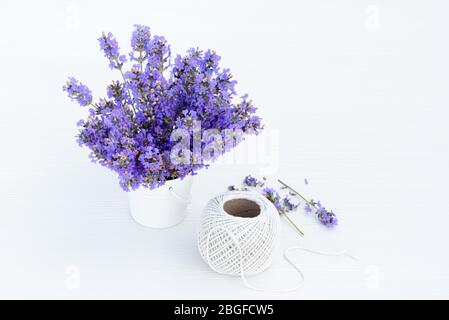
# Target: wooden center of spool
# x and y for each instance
(243, 208)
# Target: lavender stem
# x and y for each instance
(293, 224)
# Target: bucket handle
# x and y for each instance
(177, 196)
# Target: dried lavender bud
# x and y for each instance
(327, 218)
(250, 181)
(289, 205)
(308, 208)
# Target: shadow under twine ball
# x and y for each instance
(239, 233)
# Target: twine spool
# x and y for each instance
(239, 233)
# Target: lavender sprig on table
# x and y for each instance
(327, 218)
(286, 204)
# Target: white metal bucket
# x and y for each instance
(163, 207)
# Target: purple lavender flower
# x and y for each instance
(140, 37)
(158, 52)
(289, 205)
(78, 91)
(272, 195)
(110, 47)
(327, 218)
(307, 208)
(250, 181)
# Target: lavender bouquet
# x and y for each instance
(165, 118)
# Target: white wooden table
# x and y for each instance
(356, 92)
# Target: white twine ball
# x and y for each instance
(239, 233)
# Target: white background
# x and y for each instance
(357, 92)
